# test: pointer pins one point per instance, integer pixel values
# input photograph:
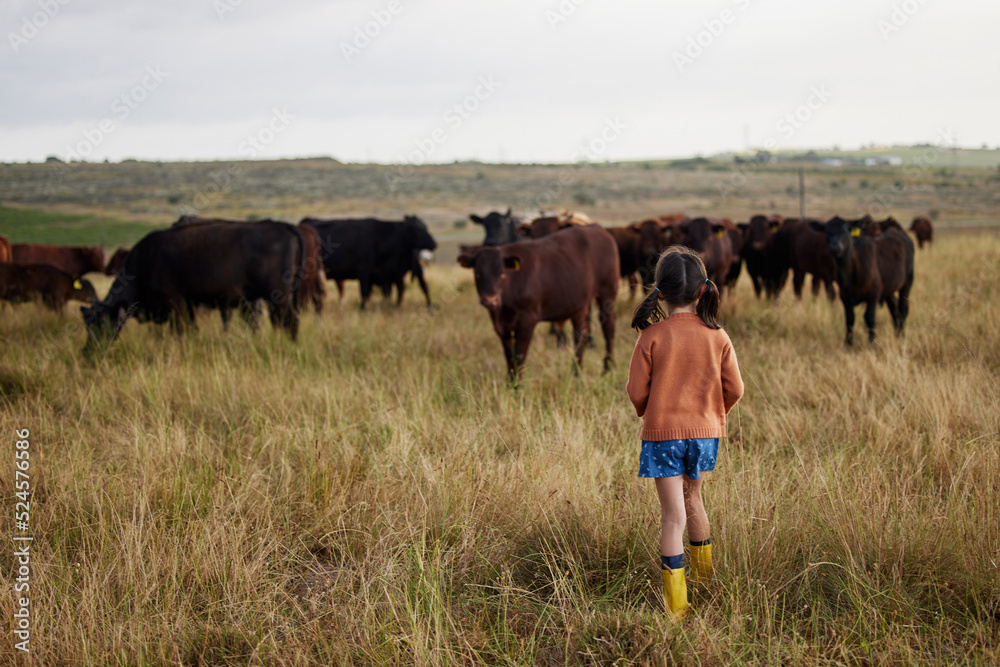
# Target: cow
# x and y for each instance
(116, 262)
(627, 239)
(500, 228)
(219, 265)
(757, 251)
(552, 279)
(371, 251)
(74, 260)
(709, 238)
(313, 287)
(552, 222)
(20, 283)
(923, 230)
(875, 228)
(870, 271)
(799, 248)
(655, 236)
(5, 252)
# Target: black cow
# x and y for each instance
(220, 265)
(501, 228)
(371, 251)
(758, 253)
(870, 271)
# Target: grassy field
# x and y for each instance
(377, 494)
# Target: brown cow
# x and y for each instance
(923, 229)
(26, 282)
(74, 260)
(552, 279)
(870, 271)
(5, 252)
(801, 249)
(709, 238)
(313, 286)
(116, 262)
(655, 236)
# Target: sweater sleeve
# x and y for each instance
(732, 382)
(639, 371)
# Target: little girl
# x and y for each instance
(683, 381)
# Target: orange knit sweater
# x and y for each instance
(683, 379)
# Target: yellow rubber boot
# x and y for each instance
(675, 593)
(701, 563)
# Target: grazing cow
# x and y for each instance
(371, 251)
(26, 282)
(923, 229)
(313, 287)
(501, 228)
(553, 222)
(5, 252)
(708, 237)
(757, 251)
(870, 271)
(552, 279)
(116, 262)
(798, 247)
(74, 260)
(219, 265)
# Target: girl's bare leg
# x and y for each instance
(670, 491)
(697, 518)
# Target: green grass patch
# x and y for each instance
(27, 225)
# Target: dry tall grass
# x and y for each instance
(376, 494)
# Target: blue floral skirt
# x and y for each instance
(669, 458)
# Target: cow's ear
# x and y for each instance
(743, 226)
(719, 231)
(855, 230)
(510, 210)
(77, 284)
(512, 263)
(636, 226)
(475, 218)
(774, 226)
(467, 258)
(818, 226)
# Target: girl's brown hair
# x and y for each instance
(679, 278)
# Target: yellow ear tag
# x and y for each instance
(517, 264)
(774, 227)
(720, 233)
(855, 231)
(77, 284)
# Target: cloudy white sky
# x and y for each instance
(533, 80)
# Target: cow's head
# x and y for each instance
(103, 321)
(839, 233)
(83, 290)
(494, 223)
(695, 233)
(417, 233)
(490, 266)
(758, 231)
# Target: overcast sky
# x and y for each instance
(511, 80)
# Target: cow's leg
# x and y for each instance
(870, 318)
(757, 286)
(632, 284)
(507, 340)
(831, 294)
(848, 322)
(893, 305)
(226, 313)
(558, 330)
(522, 340)
(581, 333)
(816, 283)
(366, 287)
(606, 313)
(798, 279)
(249, 313)
(400, 287)
(423, 287)
(340, 291)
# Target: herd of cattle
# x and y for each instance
(554, 268)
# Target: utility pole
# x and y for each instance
(802, 193)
